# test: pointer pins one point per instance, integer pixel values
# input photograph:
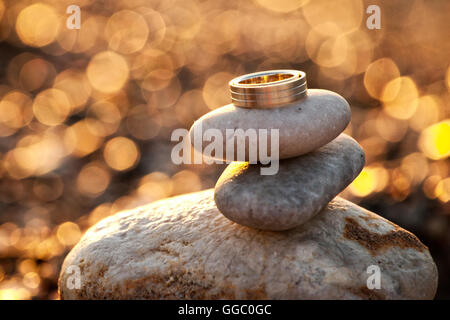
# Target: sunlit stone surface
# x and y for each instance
(304, 125)
(300, 189)
(183, 247)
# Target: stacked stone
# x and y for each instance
(183, 248)
(316, 160)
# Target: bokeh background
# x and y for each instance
(86, 115)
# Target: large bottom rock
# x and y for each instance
(184, 248)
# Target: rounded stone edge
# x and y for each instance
(346, 113)
(428, 274)
(235, 168)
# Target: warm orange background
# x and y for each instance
(86, 115)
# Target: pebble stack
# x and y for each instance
(316, 160)
(185, 248)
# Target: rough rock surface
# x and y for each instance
(304, 125)
(183, 247)
(301, 188)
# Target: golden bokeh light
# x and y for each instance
(35, 73)
(48, 189)
(38, 25)
(157, 79)
(186, 19)
(346, 14)
(81, 140)
(434, 141)
(149, 60)
(75, 85)
(400, 98)
(447, 78)
(125, 203)
(49, 247)
(400, 185)
(83, 39)
(378, 74)
(373, 147)
(327, 51)
(155, 24)
(142, 124)
(15, 112)
(155, 186)
(2, 9)
(216, 91)
(345, 70)
(99, 213)
(15, 66)
(190, 107)
(415, 167)
(47, 270)
(26, 266)
(35, 155)
(121, 153)
(103, 118)
(164, 99)
(363, 49)
(371, 179)
(31, 280)
(51, 107)
(107, 72)
(282, 5)
(439, 168)
(442, 190)
(126, 31)
(186, 181)
(14, 294)
(93, 179)
(86, 114)
(389, 128)
(427, 113)
(223, 35)
(68, 233)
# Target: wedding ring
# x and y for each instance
(268, 89)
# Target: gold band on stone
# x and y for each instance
(268, 89)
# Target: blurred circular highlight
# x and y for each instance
(121, 153)
(434, 141)
(68, 233)
(126, 31)
(107, 72)
(400, 98)
(37, 25)
(282, 5)
(378, 74)
(93, 179)
(51, 107)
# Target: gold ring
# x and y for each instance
(268, 89)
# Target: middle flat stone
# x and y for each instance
(302, 187)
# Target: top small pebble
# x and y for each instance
(304, 125)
